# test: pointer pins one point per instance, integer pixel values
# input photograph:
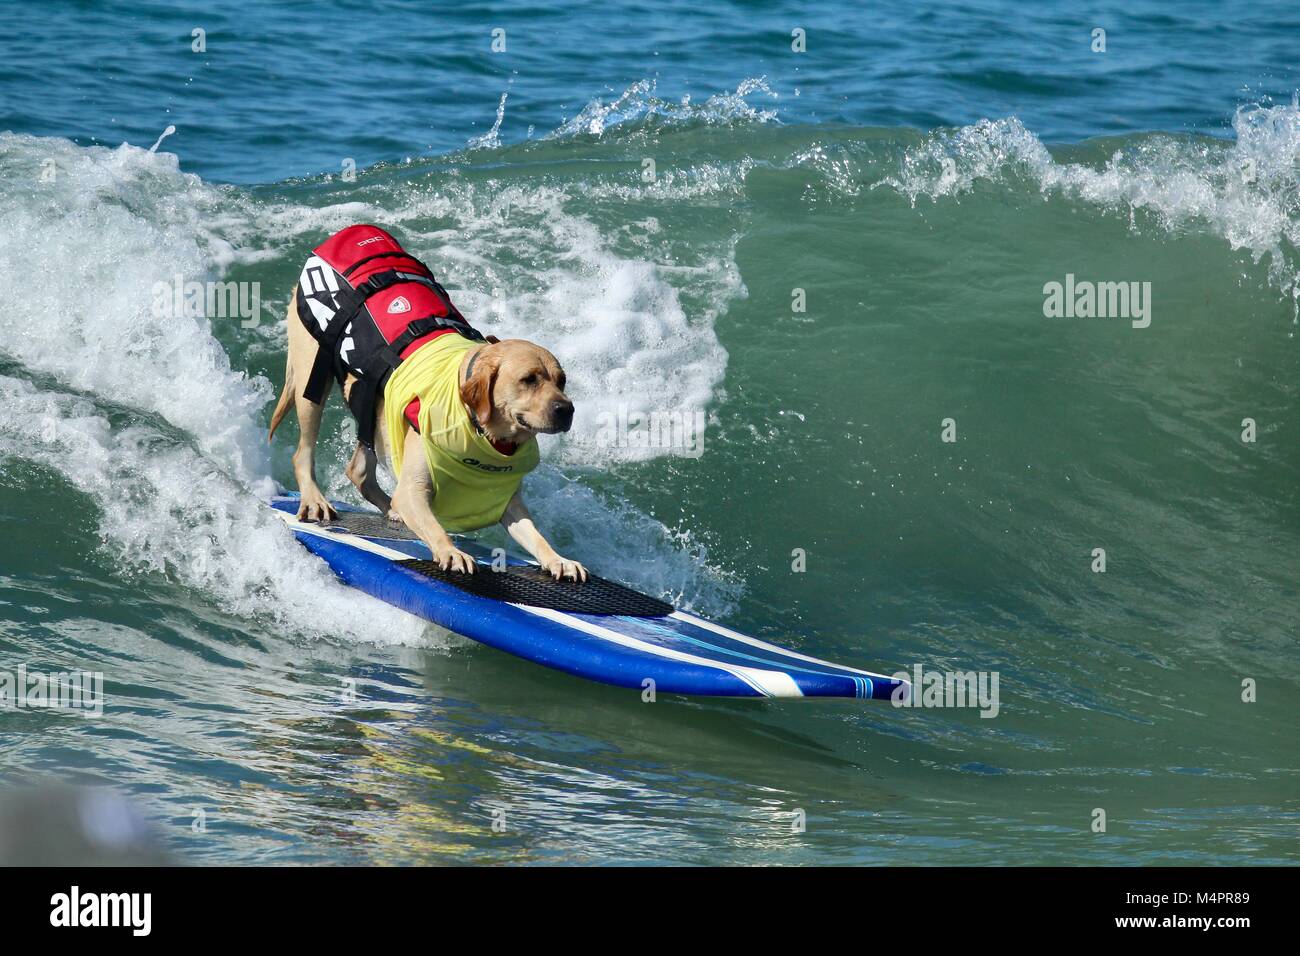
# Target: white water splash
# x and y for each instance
(82, 251)
(164, 508)
(1246, 191)
(158, 142)
(638, 102)
(492, 138)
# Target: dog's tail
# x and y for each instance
(286, 399)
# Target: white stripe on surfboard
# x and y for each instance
(768, 683)
(755, 642)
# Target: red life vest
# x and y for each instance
(369, 304)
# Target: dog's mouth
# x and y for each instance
(554, 429)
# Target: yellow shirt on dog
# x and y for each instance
(472, 481)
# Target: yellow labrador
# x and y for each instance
(514, 390)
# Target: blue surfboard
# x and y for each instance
(597, 629)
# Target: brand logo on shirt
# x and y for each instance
(399, 305)
(475, 463)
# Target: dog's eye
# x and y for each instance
(561, 380)
(530, 379)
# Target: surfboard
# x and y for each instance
(596, 629)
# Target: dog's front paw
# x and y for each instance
(313, 506)
(451, 558)
(564, 568)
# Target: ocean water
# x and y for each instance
(912, 181)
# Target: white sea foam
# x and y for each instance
(622, 543)
(1246, 191)
(165, 508)
(88, 233)
(617, 322)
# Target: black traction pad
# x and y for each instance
(370, 526)
(536, 588)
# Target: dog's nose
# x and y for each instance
(562, 412)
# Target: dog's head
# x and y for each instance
(516, 390)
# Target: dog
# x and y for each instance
(460, 450)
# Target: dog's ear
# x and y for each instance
(477, 390)
(492, 340)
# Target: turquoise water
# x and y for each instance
(921, 176)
